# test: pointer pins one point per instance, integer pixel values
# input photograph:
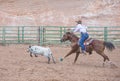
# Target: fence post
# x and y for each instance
(44, 35)
(60, 32)
(3, 36)
(18, 34)
(22, 34)
(64, 29)
(40, 36)
(105, 33)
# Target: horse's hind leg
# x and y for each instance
(105, 57)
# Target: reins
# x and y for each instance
(72, 35)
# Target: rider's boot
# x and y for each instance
(84, 52)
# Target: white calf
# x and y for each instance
(38, 50)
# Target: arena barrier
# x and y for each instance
(45, 35)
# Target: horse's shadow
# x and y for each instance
(95, 66)
(87, 65)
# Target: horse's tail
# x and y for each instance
(110, 46)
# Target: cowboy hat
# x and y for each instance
(79, 22)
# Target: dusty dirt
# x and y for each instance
(17, 65)
(59, 12)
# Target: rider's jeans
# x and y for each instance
(84, 36)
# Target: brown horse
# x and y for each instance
(93, 45)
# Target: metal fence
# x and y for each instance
(44, 35)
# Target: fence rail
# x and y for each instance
(52, 34)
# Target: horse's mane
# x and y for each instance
(75, 35)
(71, 33)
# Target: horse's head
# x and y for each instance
(66, 36)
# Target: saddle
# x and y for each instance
(88, 41)
(88, 45)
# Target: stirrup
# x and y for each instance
(84, 52)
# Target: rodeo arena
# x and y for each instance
(60, 40)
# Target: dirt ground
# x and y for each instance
(17, 65)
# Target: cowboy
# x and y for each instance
(82, 29)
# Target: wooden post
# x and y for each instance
(22, 34)
(3, 36)
(40, 36)
(105, 33)
(18, 34)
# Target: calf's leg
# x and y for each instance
(48, 60)
(53, 59)
(36, 55)
(31, 54)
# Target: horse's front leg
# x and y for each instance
(71, 51)
(77, 54)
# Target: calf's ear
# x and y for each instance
(29, 46)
